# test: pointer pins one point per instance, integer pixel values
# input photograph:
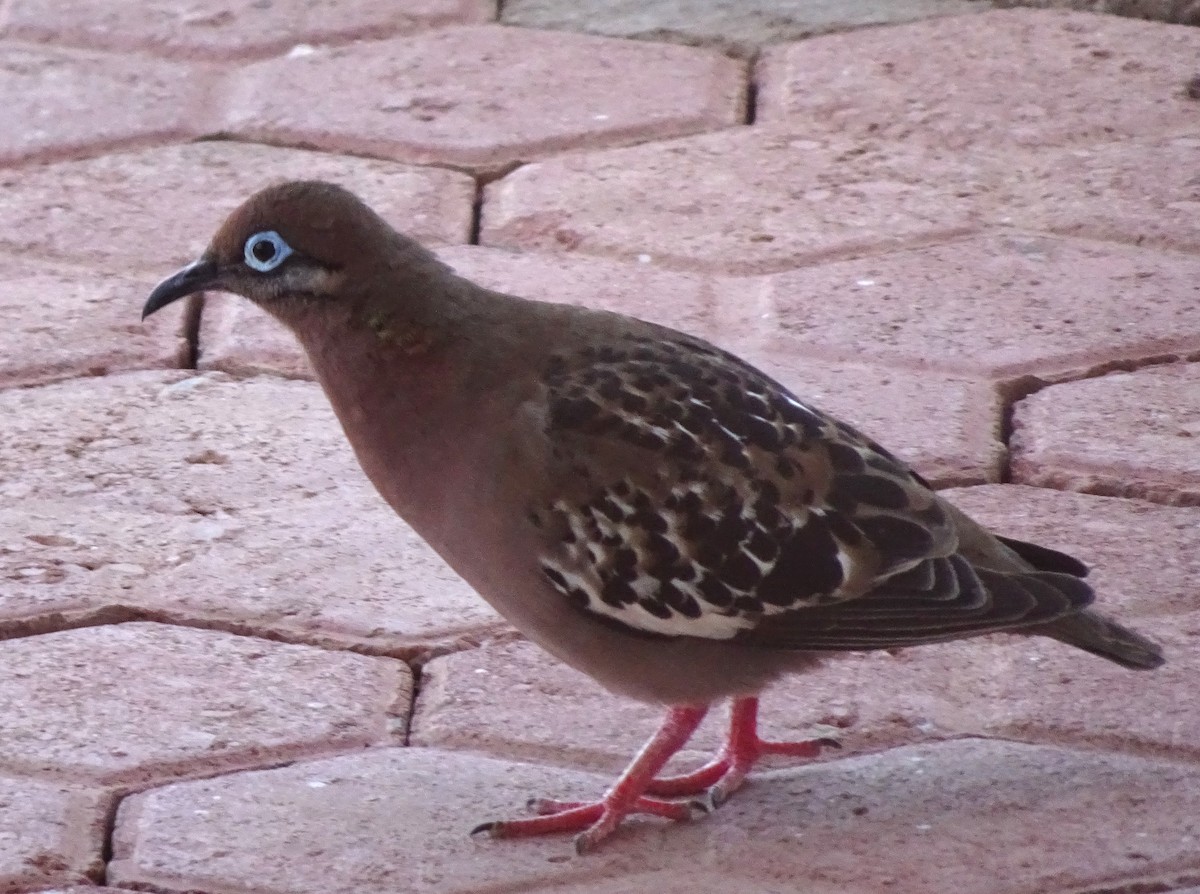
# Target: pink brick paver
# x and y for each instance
(61, 322)
(220, 29)
(206, 500)
(1131, 434)
(155, 209)
(227, 667)
(477, 97)
(1009, 77)
(511, 700)
(1004, 305)
(1139, 191)
(131, 704)
(49, 834)
(749, 200)
(955, 816)
(961, 446)
(60, 102)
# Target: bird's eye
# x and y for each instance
(266, 251)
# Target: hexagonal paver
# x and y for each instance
(477, 97)
(59, 102)
(511, 700)
(155, 209)
(1127, 434)
(1003, 305)
(965, 809)
(50, 834)
(750, 200)
(1142, 191)
(60, 322)
(1068, 78)
(962, 446)
(218, 29)
(127, 704)
(206, 500)
(737, 26)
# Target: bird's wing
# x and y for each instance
(705, 500)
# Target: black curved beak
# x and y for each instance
(195, 277)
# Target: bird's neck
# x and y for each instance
(410, 380)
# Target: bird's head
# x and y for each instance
(290, 246)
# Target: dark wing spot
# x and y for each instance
(844, 458)
(762, 545)
(896, 538)
(572, 412)
(874, 490)
(617, 592)
(678, 600)
(555, 577)
(807, 566)
(656, 608)
(740, 572)
(715, 592)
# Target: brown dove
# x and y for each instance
(647, 507)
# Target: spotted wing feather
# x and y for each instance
(723, 507)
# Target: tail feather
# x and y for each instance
(1092, 632)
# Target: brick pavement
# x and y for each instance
(226, 667)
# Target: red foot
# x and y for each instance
(712, 784)
(595, 822)
(724, 775)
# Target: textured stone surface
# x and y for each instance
(59, 102)
(156, 209)
(968, 807)
(512, 700)
(372, 822)
(1004, 305)
(1184, 12)
(477, 96)
(57, 322)
(1127, 434)
(206, 500)
(1140, 191)
(750, 200)
(129, 704)
(939, 81)
(738, 26)
(49, 834)
(221, 29)
(961, 445)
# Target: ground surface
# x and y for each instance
(973, 232)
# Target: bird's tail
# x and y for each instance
(1092, 632)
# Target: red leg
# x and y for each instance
(724, 775)
(597, 821)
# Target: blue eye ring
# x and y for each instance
(265, 251)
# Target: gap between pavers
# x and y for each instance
(51, 834)
(1128, 434)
